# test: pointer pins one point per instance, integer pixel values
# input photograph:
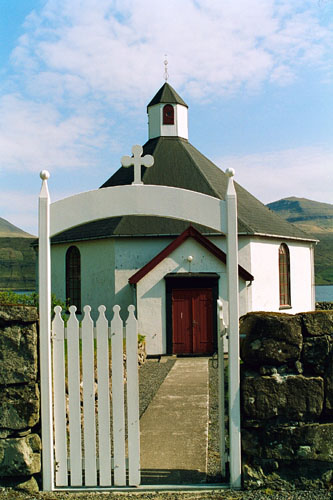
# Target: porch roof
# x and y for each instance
(193, 233)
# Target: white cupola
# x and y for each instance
(167, 114)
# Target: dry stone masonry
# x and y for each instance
(20, 445)
(287, 399)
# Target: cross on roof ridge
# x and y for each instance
(137, 160)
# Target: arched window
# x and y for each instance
(73, 277)
(284, 276)
(168, 115)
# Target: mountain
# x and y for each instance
(9, 230)
(17, 258)
(316, 219)
(311, 216)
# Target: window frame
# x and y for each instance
(73, 277)
(168, 119)
(284, 277)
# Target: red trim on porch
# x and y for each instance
(190, 232)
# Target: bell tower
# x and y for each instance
(167, 114)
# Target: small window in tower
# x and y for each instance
(168, 115)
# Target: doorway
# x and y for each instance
(191, 313)
(192, 321)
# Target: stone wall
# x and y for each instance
(20, 445)
(324, 305)
(287, 399)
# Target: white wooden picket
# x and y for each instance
(118, 410)
(103, 380)
(90, 461)
(73, 364)
(133, 400)
(59, 398)
(88, 383)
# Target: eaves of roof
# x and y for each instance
(127, 226)
(277, 236)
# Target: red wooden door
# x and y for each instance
(192, 321)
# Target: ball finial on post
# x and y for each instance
(44, 175)
(230, 172)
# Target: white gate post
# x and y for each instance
(44, 290)
(233, 331)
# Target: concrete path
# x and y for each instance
(174, 428)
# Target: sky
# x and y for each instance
(76, 77)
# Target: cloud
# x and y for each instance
(115, 49)
(83, 70)
(305, 172)
(37, 135)
(82, 67)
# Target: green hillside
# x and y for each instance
(316, 219)
(17, 258)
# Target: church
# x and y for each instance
(174, 271)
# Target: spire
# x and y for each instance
(166, 74)
(167, 94)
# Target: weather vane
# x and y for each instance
(166, 74)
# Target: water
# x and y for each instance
(324, 293)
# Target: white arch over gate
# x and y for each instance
(137, 200)
(164, 201)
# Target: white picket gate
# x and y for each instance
(82, 417)
(92, 468)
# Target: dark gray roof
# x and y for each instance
(134, 225)
(167, 94)
(178, 163)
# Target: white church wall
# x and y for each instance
(97, 273)
(182, 121)
(130, 255)
(244, 259)
(219, 241)
(301, 277)
(151, 290)
(134, 253)
(58, 270)
(244, 251)
(151, 310)
(265, 269)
